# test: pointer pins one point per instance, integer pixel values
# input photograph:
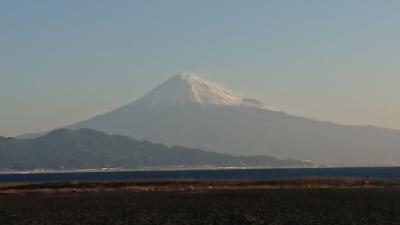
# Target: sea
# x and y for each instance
(214, 174)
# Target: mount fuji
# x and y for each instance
(189, 111)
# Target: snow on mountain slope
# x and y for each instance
(190, 88)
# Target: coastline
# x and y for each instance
(185, 185)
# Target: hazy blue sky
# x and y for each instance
(64, 61)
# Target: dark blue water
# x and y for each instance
(250, 174)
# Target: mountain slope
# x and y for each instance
(85, 148)
(189, 111)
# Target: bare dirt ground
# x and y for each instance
(288, 206)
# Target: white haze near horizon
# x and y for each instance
(65, 61)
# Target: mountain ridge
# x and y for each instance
(90, 149)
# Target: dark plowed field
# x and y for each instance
(233, 207)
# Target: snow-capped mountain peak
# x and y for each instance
(189, 87)
(189, 111)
